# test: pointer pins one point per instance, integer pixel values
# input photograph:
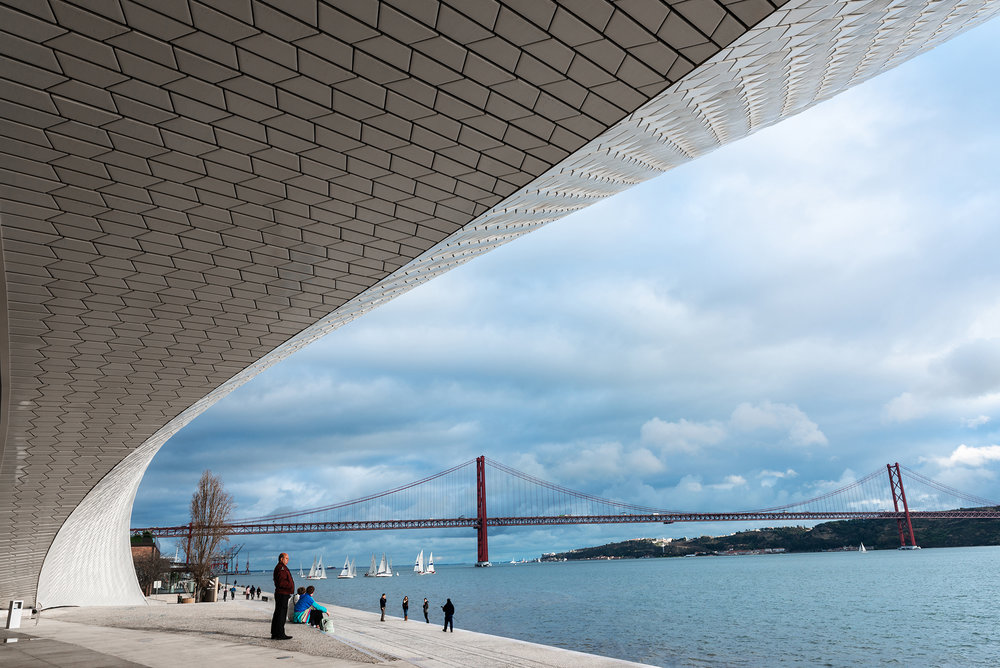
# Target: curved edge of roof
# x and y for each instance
(769, 74)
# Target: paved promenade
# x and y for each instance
(236, 634)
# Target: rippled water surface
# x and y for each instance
(922, 608)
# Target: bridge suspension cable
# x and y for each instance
(356, 502)
(846, 491)
(977, 501)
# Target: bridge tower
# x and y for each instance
(483, 553)
(896, 485)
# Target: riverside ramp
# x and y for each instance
(237, 634)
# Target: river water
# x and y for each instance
(936, 607)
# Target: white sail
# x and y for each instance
(383, 569)
(372, 571)
(354, 571)
(345, 572)
(317, 572)
(300, 571)
(418, 568)
(430, 564)
(862, 548)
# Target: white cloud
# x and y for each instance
(770, 478)
(790, 473)
(973, 423)
(904, 408)
(971, 369)
(730, 482)
(644, 461)
(692, 437)
(608, 461)
(918, 405)
(778, 417)
(690, 484)
(973, 457)
(681, 436)
(820, 487)
(528, 463)
(962, 378)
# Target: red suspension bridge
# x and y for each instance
(458, 497)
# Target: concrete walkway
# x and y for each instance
(237, 634)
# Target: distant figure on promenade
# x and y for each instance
(246, 593)
(225, 593)
(232, 592)
(426, 618)
(406, 608)
(308, 610)
(449, 614)
(381, 604)
(284, 585)
(258, 592)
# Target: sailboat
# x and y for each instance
(430, 565)
(317, 572)
(300, 571)
(372, 571)
(862, 548)
(347, 571)
(383, 570)
(418, 568)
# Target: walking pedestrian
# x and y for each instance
(381, 605)
(225, 593)
(449, 615)
(406, 608)
(284, 585)
(426, 618)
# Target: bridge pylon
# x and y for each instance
(483, 551)
(896, 485)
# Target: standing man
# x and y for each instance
(426, 618)
(449, 614)
(284, 585)
(381, 604)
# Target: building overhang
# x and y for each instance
(195, 190)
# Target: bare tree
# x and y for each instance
(211, 507)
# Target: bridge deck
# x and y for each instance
(664, 518)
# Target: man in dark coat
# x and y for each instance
(449, 613)
(381, 604)
(284, 585)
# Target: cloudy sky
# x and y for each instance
(788, 313)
